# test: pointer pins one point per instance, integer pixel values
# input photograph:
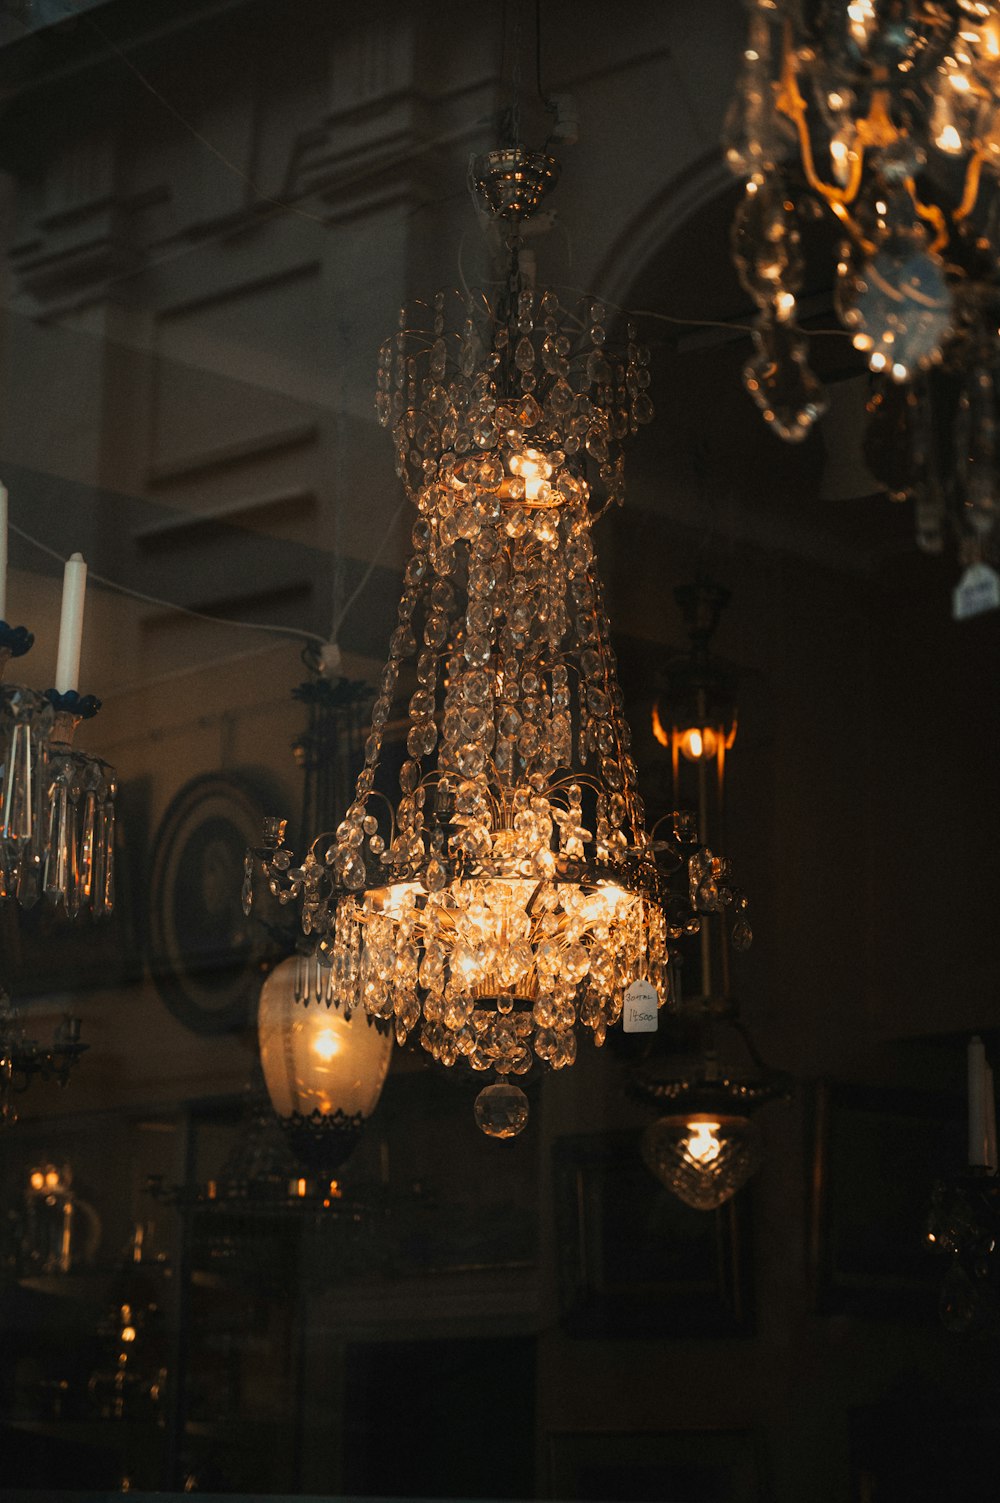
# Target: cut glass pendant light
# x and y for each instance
(705, 1145)
(506, 890)
(887, 115)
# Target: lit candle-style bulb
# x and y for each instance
(67, 677)
(702, 1144)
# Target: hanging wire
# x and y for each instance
(366, 576)
(171, 605)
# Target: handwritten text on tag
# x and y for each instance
(639, 1011)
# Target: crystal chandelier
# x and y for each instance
(887, 115)
(508, 890)
(57, 803)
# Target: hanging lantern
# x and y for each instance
(695, 716)
(706, 1145)
(324, 1067)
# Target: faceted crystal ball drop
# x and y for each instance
(501, 1110)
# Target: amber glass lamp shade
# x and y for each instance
(704, 1158)
(324, 1071)
(696, 740)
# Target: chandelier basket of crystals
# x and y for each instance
(887, 115)
(507, 892)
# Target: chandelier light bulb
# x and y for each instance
(535, 469)
(703, 1160)
(702, 1146)
(326, 1044)
(699, 743)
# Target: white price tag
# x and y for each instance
(977, 591)
(639, 1011)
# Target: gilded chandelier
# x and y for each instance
(888, 115)
(509, 891)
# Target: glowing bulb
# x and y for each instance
(698, 742)
(861, 16)
(702, 1145)
(534, 469)
(128, 1333)
(948, 139)
(300, 1188)
(37, 1180)
(52, 1179)
(326, 1044)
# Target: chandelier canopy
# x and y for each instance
(505, 889)
(887, 115)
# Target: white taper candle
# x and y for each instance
(977, 1102)
(3, 552)
(71, 625)
(991, 1122)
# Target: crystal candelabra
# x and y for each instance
(262, 1178)
(23, 1058)
(509, 891)
(964, 1224)
(57, 803)
(887, 116)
